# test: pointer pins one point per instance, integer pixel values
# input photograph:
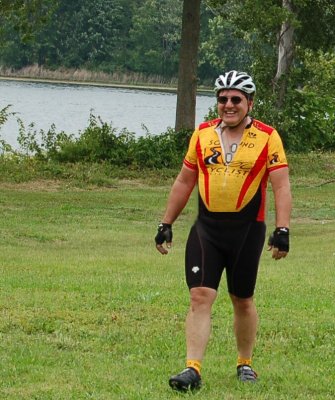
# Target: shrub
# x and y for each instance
(100, 142)
(161, 151)
(312, 128)
(313, 125)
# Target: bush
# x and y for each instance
(161, 151)
(313, 125)
(100, 142)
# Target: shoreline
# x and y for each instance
(200, 91)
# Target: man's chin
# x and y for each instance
(231, 124)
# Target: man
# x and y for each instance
(231, 159)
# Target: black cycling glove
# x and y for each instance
(164, 233)
(280, 239)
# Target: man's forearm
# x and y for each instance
(177, 200)
(283, 203)
(179, 194)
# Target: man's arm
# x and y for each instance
(178, 198)
(179, 194)
(283, 203)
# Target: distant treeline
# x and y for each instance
(103, 35)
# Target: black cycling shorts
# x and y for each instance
(217, 245)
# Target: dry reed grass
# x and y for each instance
(82, 75)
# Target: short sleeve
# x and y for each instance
(276, 154)
(191, 157)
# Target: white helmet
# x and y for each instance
(235, 80)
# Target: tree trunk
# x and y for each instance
(188, 62)
(285, 56)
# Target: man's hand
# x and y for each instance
(279, 243)
(164, 234)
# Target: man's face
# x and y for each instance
(233, 106)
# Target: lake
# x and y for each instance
(68, 106)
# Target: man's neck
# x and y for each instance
(237, 130)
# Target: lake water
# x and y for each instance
(69, 107)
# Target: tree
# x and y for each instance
(220, 49)
(155, 37)
(20, 24)
(285, 55)
(188, 64)
(86, 34)
(25, 16)
(290, 41)
(69, 34)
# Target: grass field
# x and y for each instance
(90, 310)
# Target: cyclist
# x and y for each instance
(230, 159)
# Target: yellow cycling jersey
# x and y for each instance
(239, 185)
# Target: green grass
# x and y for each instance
(90, 310)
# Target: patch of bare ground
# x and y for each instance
(58, 185)
(307, 220)
(36, 185)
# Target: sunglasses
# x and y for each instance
(234, 99)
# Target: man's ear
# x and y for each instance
(250, 104)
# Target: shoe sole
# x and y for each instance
(179, 387)
(247, 380)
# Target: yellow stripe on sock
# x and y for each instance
(196, 364)
(243, 361)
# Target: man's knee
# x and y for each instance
(243, 305)
(202, 297)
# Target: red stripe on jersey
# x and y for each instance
(262, 127)
(207, 124)
(259, 164)
(277, 167)
(261, 211)
(190, 165)
(204, 171)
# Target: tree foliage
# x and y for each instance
(305, 116)
(155, 37)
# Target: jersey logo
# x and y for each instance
(213, 155)
(252, 135)
(274, 159)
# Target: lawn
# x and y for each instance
(90, 310)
